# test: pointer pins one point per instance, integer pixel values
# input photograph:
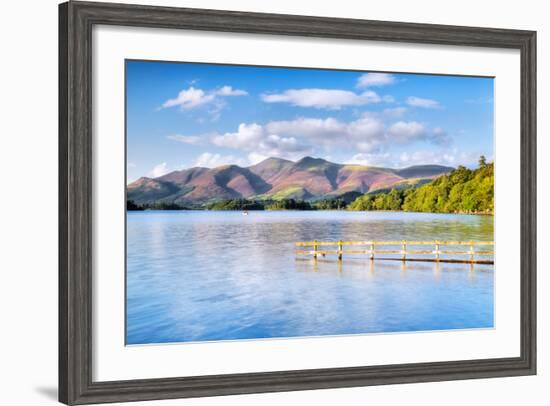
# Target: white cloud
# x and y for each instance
(159, 170)
(366, 129)
(403, 132)
(192, 98)
(229, 91)
(293, 138)
(256, 139)
(375, 79)
(246, 137)
(365, 133)
(424, 103)
(332, 99)
(209, 160)
(274, 142)
(189, 99)
(308, 127)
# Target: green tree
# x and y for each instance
(288, 204)
(235, 204)
(460, 191)
(131, 206)
(482, 161)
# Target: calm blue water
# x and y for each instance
(203, 275)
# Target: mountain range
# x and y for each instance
(277, 179)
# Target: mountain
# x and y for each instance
(183, 177)
(270, 167)
(276, 179)
(305, 179)
(146, 190)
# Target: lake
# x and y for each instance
(213, 275)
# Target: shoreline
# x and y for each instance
(318, 210)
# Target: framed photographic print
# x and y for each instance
(257, 202)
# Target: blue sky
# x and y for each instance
(181, 115)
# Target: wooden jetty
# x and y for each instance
(478, 252)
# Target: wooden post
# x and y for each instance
(372, 251)
(314, 249)
(340, 249)
(403, 250)
(471, 252)
(437, 251)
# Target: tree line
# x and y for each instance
(282, 204)
(246, 204)
(133, 206)
(461, 191)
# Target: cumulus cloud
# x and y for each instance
(229, 91)
(310, 127)
(403, 132)
(245, 136)
(159, 170)
(192, 98)
(375, 79)
(189, 99)
(293, 138)
(423, 103)
(256, 139)
(332, 99)
(210, 160)
(364, 133)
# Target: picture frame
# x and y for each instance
(76, 352)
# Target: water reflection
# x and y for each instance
(194, 276)
(357, 267)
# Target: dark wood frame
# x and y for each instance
(76, 20)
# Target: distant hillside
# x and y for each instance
(460, 191)
(276, 179)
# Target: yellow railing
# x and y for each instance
(376, 248)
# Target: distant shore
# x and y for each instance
(339, 210)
